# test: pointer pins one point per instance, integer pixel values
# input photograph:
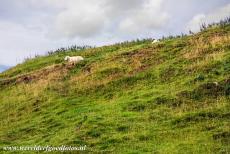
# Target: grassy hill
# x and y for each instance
(133, 97)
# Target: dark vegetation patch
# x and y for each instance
(199, 77)
(136, 106)
(209, 127)
(36, 104)
(11, 136)
(32, 130)
(94, 133)
(224, 137)
(168, 101)
(77, 141)
(156, 116)
(122, 128)
(210, 89)
(199, 117)
(227, 87)
(112, 141)
(144, 137)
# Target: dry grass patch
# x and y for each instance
(200, 47)
(200, 64)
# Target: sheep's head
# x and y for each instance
(66, 58)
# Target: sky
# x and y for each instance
(33, 27)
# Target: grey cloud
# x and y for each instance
(121, 7)
(150, 17)
(76, 20)
(127, 17)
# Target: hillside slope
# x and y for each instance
(137, 97)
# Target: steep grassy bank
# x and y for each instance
(168, 97)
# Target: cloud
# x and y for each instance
(80, 19)
(214, 16)
(84, 19)
(150, 17)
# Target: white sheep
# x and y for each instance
(155, 41)
(74, 60)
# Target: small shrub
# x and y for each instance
(198, 117)
(136, 105)
(200, 77)
(168, 101)
(94, 133)
(122, 128)
(144, 137)
(223, 136)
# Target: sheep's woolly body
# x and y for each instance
(155, 41)
(74, 59)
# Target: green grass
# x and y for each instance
(125, 98)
